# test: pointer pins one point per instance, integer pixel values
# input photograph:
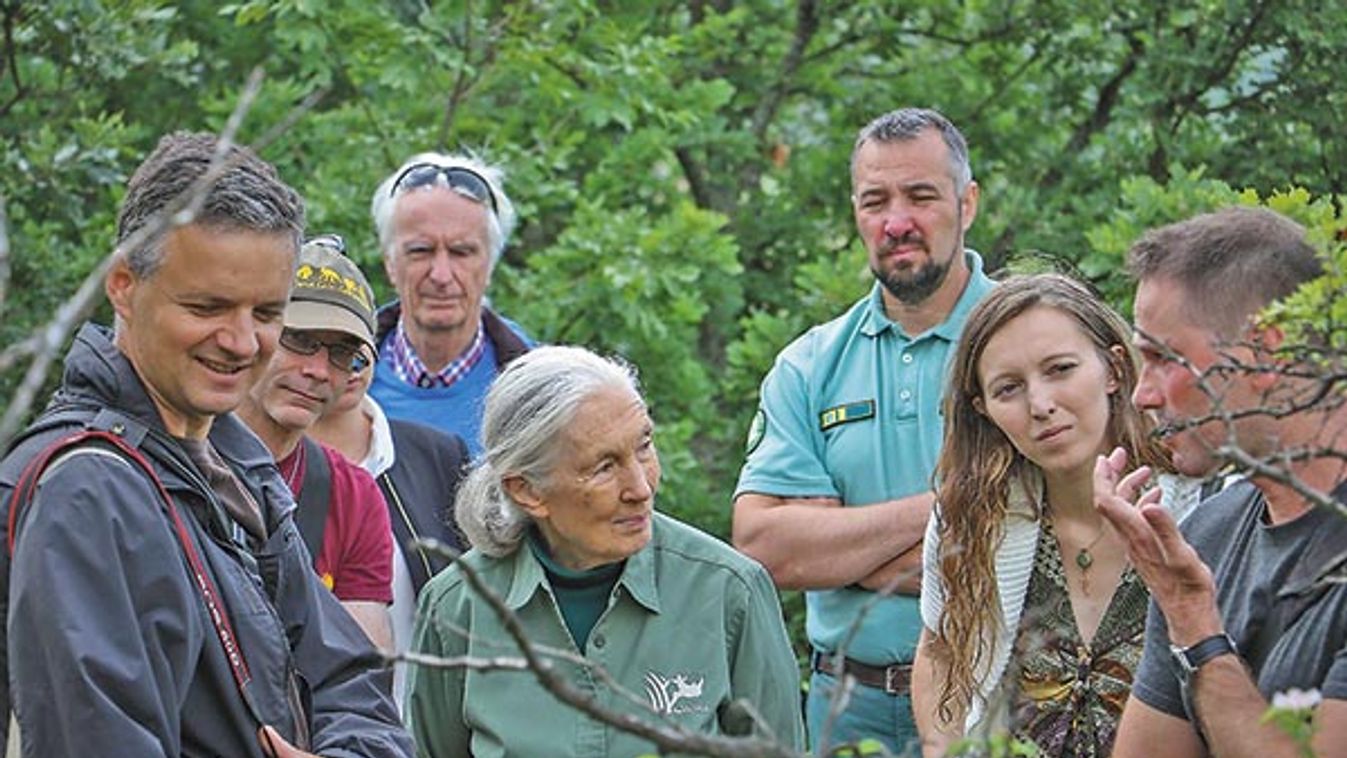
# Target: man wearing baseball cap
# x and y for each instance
(328, 333)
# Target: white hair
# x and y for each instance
(528, 408)
(499, 225)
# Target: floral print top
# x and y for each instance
(1066, 696)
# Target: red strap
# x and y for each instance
(27, 485)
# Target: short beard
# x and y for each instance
(916, 288)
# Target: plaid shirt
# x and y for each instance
(411, 370)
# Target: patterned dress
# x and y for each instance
(1067, 697)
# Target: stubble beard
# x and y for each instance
(914, 286)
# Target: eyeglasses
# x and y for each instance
(464, 179)
(342, 355)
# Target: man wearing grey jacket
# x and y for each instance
(160, 600)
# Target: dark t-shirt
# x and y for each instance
(1279, 589)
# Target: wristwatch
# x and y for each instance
(1190, 659)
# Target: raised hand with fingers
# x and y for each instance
(1178, 579)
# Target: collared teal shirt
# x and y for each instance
(691, 628)
(851, 410)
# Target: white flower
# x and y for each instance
(1297, 699)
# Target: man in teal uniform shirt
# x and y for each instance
(849, 416)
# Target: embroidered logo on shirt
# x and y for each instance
(847, 413)
(668, 694)
(756, 431)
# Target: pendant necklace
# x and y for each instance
(1084, 558)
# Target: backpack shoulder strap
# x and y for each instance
(314, 498)
(90, 440)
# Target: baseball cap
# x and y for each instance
(330, 292)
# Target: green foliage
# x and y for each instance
(862, 749)
(1293, 713)
(681, 169)
(1143, 203)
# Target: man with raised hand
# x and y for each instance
(1249, 596)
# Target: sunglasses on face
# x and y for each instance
(342, 355)
(465, 180)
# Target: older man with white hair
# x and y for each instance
(443, 221)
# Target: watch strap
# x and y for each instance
(1193, 657)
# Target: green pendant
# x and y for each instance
(1084, 559)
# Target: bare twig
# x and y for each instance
(1279, 469)
(1282, 464)
(10, 356)
(475, 663)
(4, 255)
(47, 340)
(50, 338)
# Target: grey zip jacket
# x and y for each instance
(109, 647)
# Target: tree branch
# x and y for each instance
(47, 340)
(1102, 112)
(463, 82)
(697, 184)
(12, 60)
(4, 255)
(806, 26)
(46, 343)
(1279, 465)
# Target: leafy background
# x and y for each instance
(681, 168)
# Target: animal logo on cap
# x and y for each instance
(323, 278)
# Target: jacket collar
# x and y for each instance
(638, 575)
(99, 377)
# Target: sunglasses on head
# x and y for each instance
(334, 241)
(465, 180)
(342, 355)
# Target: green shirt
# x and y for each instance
(690, 628)
(851, 410)
(582, 596)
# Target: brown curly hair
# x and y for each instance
(978, 464)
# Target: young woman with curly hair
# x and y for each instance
(1034, 621)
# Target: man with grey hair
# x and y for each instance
(835, 492)
(1249, 593)
(443, 221)
(160, 601)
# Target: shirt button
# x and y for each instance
(905, 394)
(907, 357)
(600, 641)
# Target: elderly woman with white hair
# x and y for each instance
(560, 509)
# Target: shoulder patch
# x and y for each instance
(845, 414)
(756, 430)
